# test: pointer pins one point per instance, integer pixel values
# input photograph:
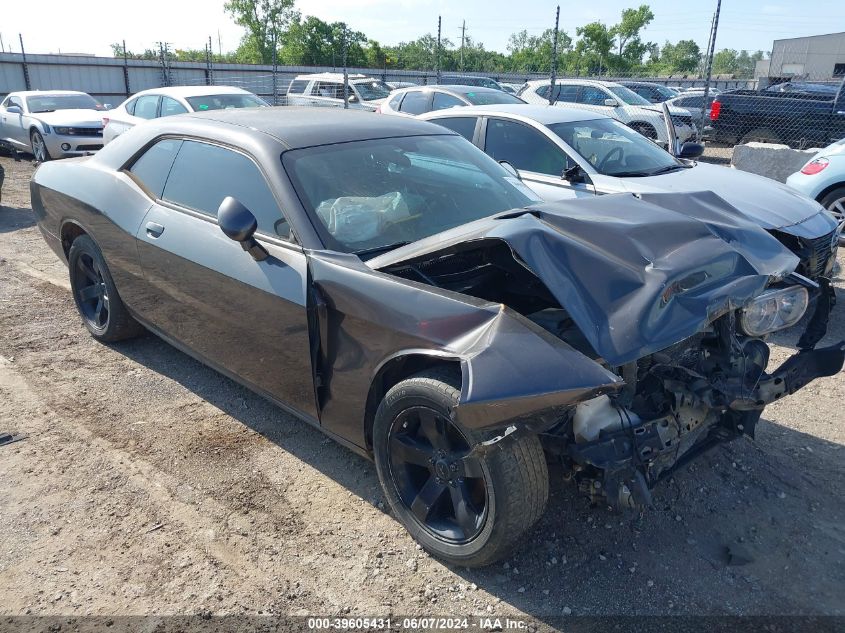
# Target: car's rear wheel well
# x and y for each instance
(70, 231)
(826, 191)
(393, 372)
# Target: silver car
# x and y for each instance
(326, 90)
(53, 124)
(565, 153)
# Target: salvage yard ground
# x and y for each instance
(149, 484)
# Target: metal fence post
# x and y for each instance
(126, 70)
(25, 66)
(437, 54)
(554, 58)
(709, 67)
(209, 72)
(345, 74)
(275, 62)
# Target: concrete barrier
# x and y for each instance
(771, 160)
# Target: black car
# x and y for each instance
(383, 279)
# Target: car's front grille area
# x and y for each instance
(88, 148)
(815, 254)
(85, 131)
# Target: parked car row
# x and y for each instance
(389, 281)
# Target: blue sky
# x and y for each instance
(188, 23)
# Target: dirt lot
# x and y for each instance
(149, 484)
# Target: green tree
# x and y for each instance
(593, 49)
(627, 32)
(265, 22)
(682, 57)
(533, 53)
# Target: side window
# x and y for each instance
(328, 89)
(146, 106)
(543, 91)
(442, 101)
(154, 165)
(415, 102)
(204, 174)
(523, 147)
(691, 102)
(169, 107)
(592, 96)
(395, 101)
(463, 125)
(297, 86)
(16, 102)
(567, 94)
(130, 107)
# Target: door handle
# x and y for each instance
(154, 229)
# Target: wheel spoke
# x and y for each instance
(427, 497)
(409, 450)
(465, 516)
(87, 270)
(838, 209)
(433, 429)
(98, 311)
(470, 467)
(89, 292)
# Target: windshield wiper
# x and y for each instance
(379, 249)
(40, 111)
(668, 168)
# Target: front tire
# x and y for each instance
(39, 147)
(467, 510)
(95, 294)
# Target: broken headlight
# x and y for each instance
(774, 310)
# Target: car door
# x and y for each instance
(12, 124)
(540, 162)
(593, 98)
(244, 317)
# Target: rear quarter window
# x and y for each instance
(153, 166)
(463, 125)
(298, 86)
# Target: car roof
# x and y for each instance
(458, 88)
(574, 82)
(332, 76)
(45, 93)
(544, 114)
(193, 91)
(305, 127)
(641, 83)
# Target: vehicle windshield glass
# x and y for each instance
(614, 149)
(491, 98)
(667, 92)
(225, 102)
(372, 89)
(49, 103)
(382, 193)
(628, 96)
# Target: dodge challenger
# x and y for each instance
(384, 280)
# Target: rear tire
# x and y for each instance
(760, 135)
(472, 514)
(95, 294)
(39, 147)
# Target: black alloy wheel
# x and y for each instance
(91, 291)
(435, 475)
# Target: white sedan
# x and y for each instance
(159, 102)
(51, 124)
(823, 180)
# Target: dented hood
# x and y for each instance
(636, 274)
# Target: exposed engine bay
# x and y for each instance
(675, 403)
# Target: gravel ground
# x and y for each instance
(149, 484)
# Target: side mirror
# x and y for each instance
(353, 99)
(611, 103)
(107, 106)
(510, 169)
(239, 224)
(691, 150)
(574, 174)
(13, 109)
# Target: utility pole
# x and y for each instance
(437, 55)
(554, 58)
(463, 36)
(710, 65)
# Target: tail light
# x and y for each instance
(105, 121)
(715, 109)
(815, 166)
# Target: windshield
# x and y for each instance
(380, 194)
(615, 149)
(628, 96)
(667, 92)
(49, 103)
(225, 102)
(372, 89)
(491, 98)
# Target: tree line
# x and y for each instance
(595, 49)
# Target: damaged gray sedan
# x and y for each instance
(383, 279)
